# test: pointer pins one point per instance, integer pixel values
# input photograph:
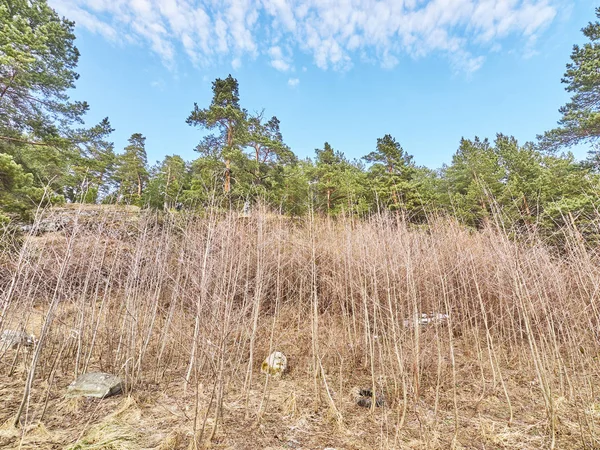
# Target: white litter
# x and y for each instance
(424, 319)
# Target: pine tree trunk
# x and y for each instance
(257, 173)
(166, 202)
(227, 186)
(394, 193)
(227, 176)
(527, 210)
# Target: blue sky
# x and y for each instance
(342, 71)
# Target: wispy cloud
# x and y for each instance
(158, 84)
(236, 63)
(278, 61)
(335, 33)
(293, 82)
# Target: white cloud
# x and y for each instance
(335, 33)
(293, 82)
(85, 19)
(236, 63)
(278, 61)
(280, 65)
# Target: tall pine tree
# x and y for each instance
(132, 171)
(226, 116)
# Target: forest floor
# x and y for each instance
(165, 415)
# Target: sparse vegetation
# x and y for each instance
(186, 309)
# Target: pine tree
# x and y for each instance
(391, 173)
(268, 149)
(17, 191)
(328, 175)
(473, 181)
(580, 120)
(37, 68)
(91, 166)
(520, 196)
(132, 172)
(225, 115)
(168, 181)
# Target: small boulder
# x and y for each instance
(95, 384)
(12, 339)
(275, 364)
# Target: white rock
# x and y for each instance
(427, 319)
(275, 364)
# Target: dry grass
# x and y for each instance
(185, 310)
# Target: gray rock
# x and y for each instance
(95, 384)
(12, 339)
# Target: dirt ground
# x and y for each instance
(168, 417)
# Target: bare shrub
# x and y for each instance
(199, 302)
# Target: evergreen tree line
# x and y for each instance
(48, 157)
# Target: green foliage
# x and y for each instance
(224, 115)
(37, 67)
(294, 188)
(328, 179)
(131, 171)
(48, 164)
(206, 179)
(168, 180)
(473, 181)
(569, 194)
(391, 174)
(518, 185)
(80, 171)
(223, 160)
(522, 172)
(426, 194)
(269, 152)
(38, 59)
(92, 165)
(18, 195)
(580, 120)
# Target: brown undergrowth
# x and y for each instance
(185, 309)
